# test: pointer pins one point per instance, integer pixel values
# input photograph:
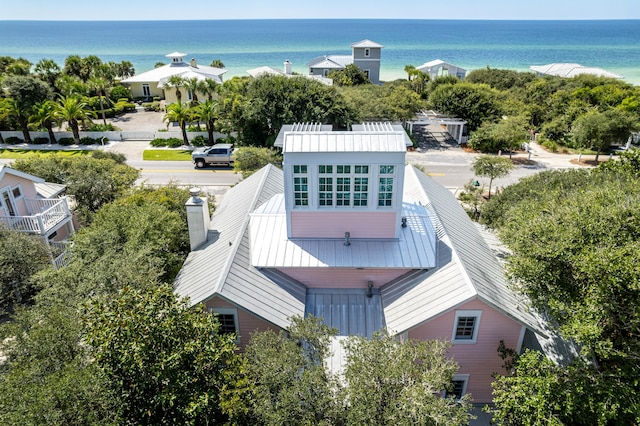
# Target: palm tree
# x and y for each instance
(73, 110)
(176, 82)
(208, 112)
(409, 69)
(209, 87)
(180, 114)
(19, 112)
(44, 115)
(101, 86)
(4, 114)
(193, 85)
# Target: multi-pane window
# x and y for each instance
(465, 328)
(300, 185)
(227, 323)
(458, 389)
(343, 185)
(385, 186)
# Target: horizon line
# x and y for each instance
(323, 19)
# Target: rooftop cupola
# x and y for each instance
(176, 57)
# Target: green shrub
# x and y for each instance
(151, 106)
(98, 127)
(158, 142)
(200, 141)
(40, 140)
(227, 139)
(66, 141)
(13, 140)
(550, 145)
(120, 92)
(156, 99)
(88, 141)
(174, 142)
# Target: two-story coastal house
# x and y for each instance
(348, 232)
(31, 205)
(365, 54)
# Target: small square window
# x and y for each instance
(458, 386)
(466, 325)
(227, 318)
(16, 192)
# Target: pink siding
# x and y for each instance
(26, 187)
(333, 224)
(247, 322)
(342, 278)
(481, 359)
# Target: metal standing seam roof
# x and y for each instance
(467, 268)
(330, 61)
(569, 70)
(367, 43)
(168, 70)
(344, 142)
(221, 267)
(270, 247)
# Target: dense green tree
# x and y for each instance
(179, 113)
(93, 182)
(389, 102)
(101, 85)
(250, 159)
(474, 103)
(351, 75)
(47, 376)
(192, 85)
(388, 381)
(409, 69)
(491, 167)
(165, 361)
(599, 130)
(573, 237)
(287, 374)
(500, 79)
(25, 92)
(21, 256)
(269, 102)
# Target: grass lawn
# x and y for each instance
(25, 153)
(166, 155)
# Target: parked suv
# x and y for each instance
(218, 154)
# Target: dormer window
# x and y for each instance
(343, 185)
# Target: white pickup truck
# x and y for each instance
(218, 154)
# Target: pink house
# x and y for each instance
(31, 205)
(348, 232)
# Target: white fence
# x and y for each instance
(112, 136)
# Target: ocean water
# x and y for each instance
(244, 44)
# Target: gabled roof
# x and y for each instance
(6, 170)
(569, 70)
(466, 267)
(264, 70)
(331, 61)
(437, 63)
(177, 68)
(367, 43)
(222, 266)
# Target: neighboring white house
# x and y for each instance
(152, 83)
(571, 70)
(29, 204)
(439, 68)
(286, 72)
(348, 232)
(365, 54)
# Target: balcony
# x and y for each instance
(44, 216)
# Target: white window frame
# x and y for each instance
(476, 326)
(379, 192)
(304, 195)
(229, 311)
(367, 52)
(464, 378)
(146, 90)
(8, 191)
(333, 192)
(13, 192)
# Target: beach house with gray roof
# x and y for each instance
(365, 54)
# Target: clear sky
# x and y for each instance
(308, 9)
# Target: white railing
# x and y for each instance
(44, 214)
(59, 253)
